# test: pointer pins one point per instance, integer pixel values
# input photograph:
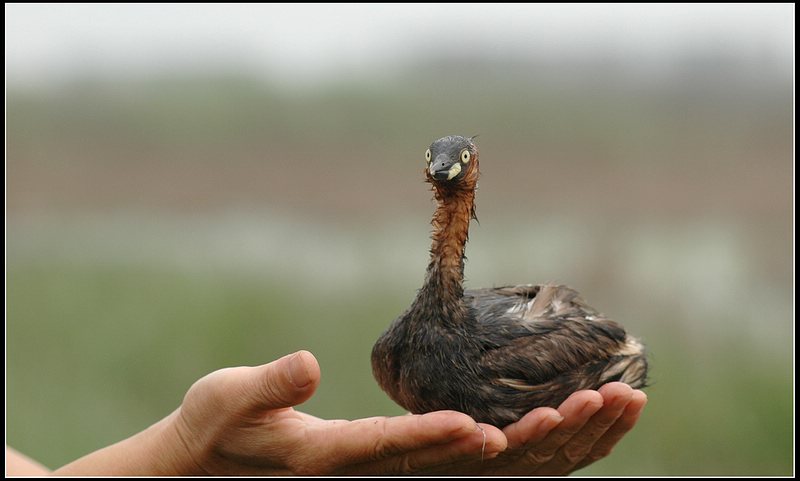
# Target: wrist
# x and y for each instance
(156, 451)
(167, 450)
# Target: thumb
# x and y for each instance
(287, 382)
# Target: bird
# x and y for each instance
(492, 353)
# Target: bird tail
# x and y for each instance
(629, 365)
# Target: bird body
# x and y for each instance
(493, 353)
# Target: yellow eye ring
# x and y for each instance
(465, 156)
(428, 155)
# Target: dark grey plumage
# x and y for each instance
(496, 353)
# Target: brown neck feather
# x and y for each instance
(450, 234)
(439, 300)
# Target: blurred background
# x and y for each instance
(195, 187)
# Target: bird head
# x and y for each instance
(452, 162)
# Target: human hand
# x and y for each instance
(546, 441)
(241, 421)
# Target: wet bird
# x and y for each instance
(492, 353)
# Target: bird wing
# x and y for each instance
(532, 303)
(541, 332)
(532, 307)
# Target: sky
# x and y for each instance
(48, 43)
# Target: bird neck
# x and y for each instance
(441, 294)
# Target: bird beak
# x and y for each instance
(443, 168)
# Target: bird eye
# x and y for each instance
(428, 155)
(465, 156)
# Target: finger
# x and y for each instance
(373, 439)
(532, 428)
(576, 410)
(485, 443)
(625, 423)
(286, 382)
(616, 397)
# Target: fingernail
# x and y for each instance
(554, 420)
(491, 455)
(298, 374)
(590, 408)
(621, 401)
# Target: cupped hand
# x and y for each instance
(241, 421)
